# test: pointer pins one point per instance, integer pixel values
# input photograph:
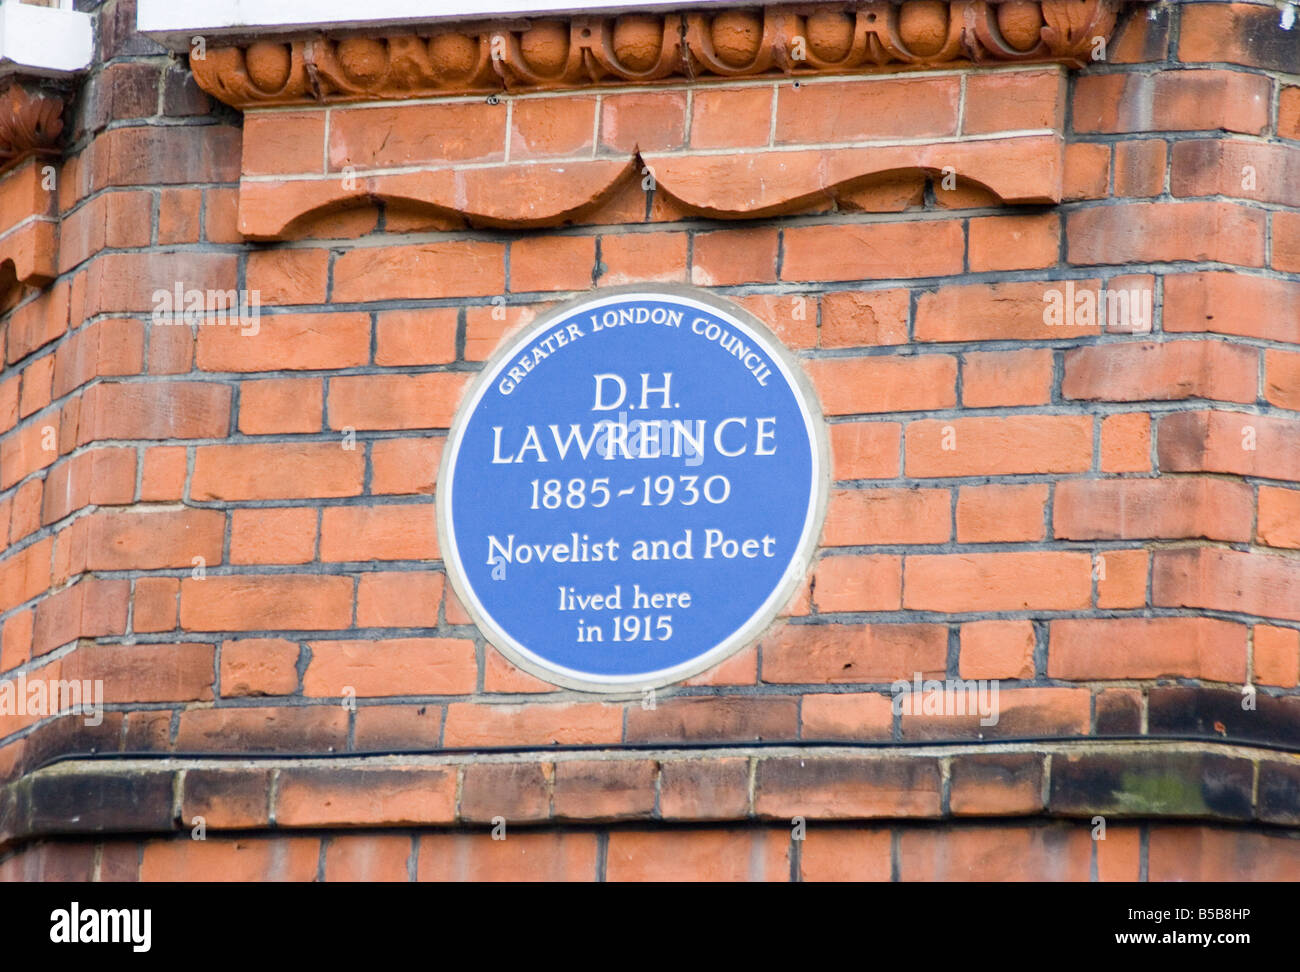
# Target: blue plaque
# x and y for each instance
(632, 489)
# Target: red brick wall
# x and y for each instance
(1106, 521)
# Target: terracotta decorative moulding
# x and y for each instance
(795, 40)
(31, 120)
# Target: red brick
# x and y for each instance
(792, 317)
(405, 599)
(108, 347)
(1286, 241)
(643, 258)
(280, 729)
(865, 450)
(252, 603)
(368, 857)
(552, 263)
(704, 789)
(990, 853)
(643, 121)
(1121, 578)
(875, 251)
(854, 787)
(1134, 648)
(398, 666)
(1039, 580)
(145, 673)
(1288, 112)
(1169, 101)
(287, 342)
(1014, 100)
(1000, 513)
(280, 405)
(997, 649)
(155, 410)
(1282, 379)
(994, 312)
(230, 859)
(273, 535)
(605, 789)
(1126, 442)
(154, 539)
(851, 386)
(698, 855)
(714, 719)
(993, 378)
(395, 401)
(1162, 232)
(537, 724)
(378, 138)
(360, 533)
(1015, 242)
(729, 257)
(162, 476)
(1265, 585)
(405, 465)
(1222, 442)
(864, 318)
(259, 666)
(855, 715)
(1121, 509)
(289, 276)
(837, 854)
(379, 796)
(1087, 171)
(155, 603)
(396, 727)
(999, 446)
(1279, 517)
(1233, 303)
(1236, 33)
(499, 674)
(731, 117)
(284, 142)
(1133, 372)
(276, 471)
(1214, 854)
(996, 784)
(552, 127)
(847, 653)
(522, 856)
(869, 583)
(1277, 656)
(463, 268)
(821, 112)
(1140, 168)
(869, 516)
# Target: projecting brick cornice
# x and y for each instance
(31, 120)
(562, 53)
(1151, 780)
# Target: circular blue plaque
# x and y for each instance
(632, 489)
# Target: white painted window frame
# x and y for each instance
(52, 42)
(173, 23)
